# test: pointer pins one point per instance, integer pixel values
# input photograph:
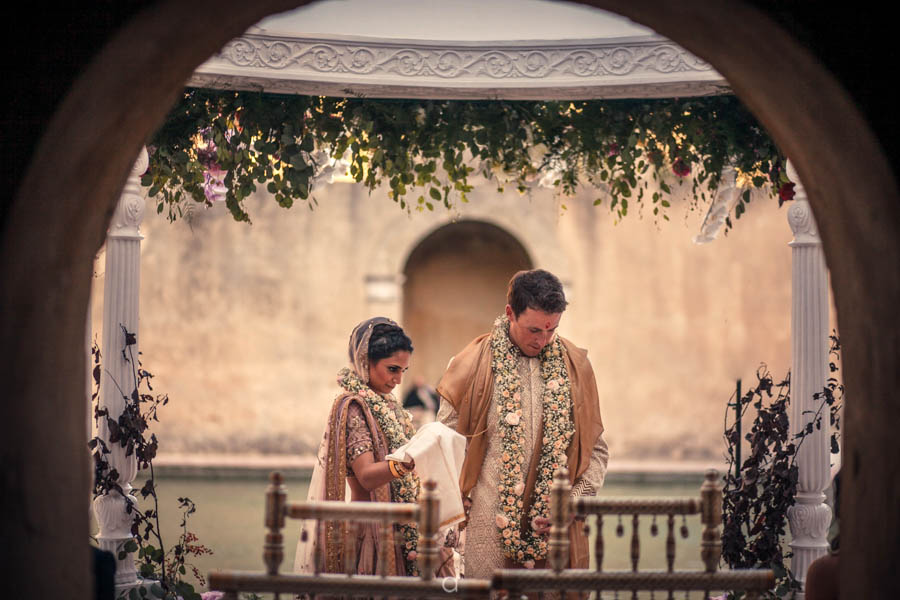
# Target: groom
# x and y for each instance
(526, 400)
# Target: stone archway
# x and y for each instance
(455, 285)
(54, 224)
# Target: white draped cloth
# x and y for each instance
(438, 452)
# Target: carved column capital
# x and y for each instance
(126, 222)
(800, 216)
(111, 515)
(809, 519)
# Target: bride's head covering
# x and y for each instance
(305, 558)
(359, 345)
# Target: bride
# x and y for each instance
(366, 424)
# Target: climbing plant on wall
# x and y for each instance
(227, 144)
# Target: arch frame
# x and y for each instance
(50, 238)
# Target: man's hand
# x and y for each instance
(541, 525)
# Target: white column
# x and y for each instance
(809, 517)
(120, 308)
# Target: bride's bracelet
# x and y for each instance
(396, 469)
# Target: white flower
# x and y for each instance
(501, 521)
(512, 419)
(519, 488)
(528, 564)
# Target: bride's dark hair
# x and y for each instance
(387, 339)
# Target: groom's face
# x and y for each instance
(532, 329)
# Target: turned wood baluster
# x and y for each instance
(598, 543)
(635, 543)
(321, 527)
(351, 536)
(560, 492)
(635, 548)
(387, 545)
(670, 543)
(670, 548)
(711, 517)
(276, 498)
(428, 529)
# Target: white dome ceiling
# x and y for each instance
(455, 20)
(466, 49)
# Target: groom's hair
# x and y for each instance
(536, 289)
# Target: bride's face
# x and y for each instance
(387, 373)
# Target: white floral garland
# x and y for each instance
(558, 431)
(397, 428)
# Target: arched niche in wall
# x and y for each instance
(455, 286)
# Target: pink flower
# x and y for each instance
(681, 168)
(553, 385)
(212, 595)
(528, 564)
(412, 555)
(214, 184)
(520, 487)
(512, 419)
(501, 521)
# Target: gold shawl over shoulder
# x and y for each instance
(468, 385)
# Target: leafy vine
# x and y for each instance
(166, 569)
(218, 144)
(756, 501)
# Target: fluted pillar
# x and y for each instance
(809, 517)
(120, 308)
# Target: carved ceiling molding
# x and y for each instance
(649, 66)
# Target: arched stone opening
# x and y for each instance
(455, 285)
(115, 103)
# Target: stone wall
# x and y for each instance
(246, 326)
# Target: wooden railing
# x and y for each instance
(558, 579)
(348, 583)
(517, 582)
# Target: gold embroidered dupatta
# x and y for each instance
(333, 535)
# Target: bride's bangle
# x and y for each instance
(392, 465)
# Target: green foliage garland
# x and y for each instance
(436, 146)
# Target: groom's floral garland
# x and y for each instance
(397, 431)
(558, 431)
